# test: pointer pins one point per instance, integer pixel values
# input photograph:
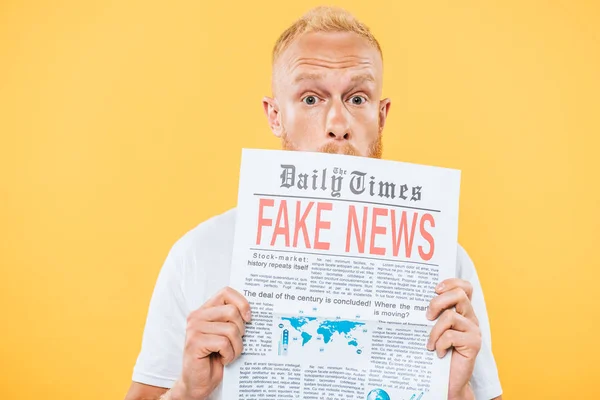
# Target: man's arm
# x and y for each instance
(485, 381)
(213, 339)
(139, 391)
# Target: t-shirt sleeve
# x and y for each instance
(159, 362)
(485, 381)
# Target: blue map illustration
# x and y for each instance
(321, 332)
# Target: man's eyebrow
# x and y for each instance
(308, 76)
(367, 77)
(363, 78)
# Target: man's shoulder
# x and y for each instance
(465, 269)
(213, 233)
(202, 258)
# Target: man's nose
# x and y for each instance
(338, 122)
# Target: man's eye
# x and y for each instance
(310, 100)
(358, 100)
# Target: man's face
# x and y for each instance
(327, 88)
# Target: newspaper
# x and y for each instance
(339, 257)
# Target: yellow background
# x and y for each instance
(121, 125)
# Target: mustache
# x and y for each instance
(375, 149)
(334, 148)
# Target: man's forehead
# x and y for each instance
(313, 55)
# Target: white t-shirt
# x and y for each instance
(198, 266)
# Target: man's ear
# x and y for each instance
(384, 109)
(273, 117)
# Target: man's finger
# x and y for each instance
(228, 295)
(205, 345)
(226, 313)
(454, 298)
(449, 319)
(452, 283)
(466, 343)
(227, 329)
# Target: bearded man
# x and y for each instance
(327, 84)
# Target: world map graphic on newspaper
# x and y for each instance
(311, 331)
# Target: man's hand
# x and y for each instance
(213, 339)
(457, 327)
